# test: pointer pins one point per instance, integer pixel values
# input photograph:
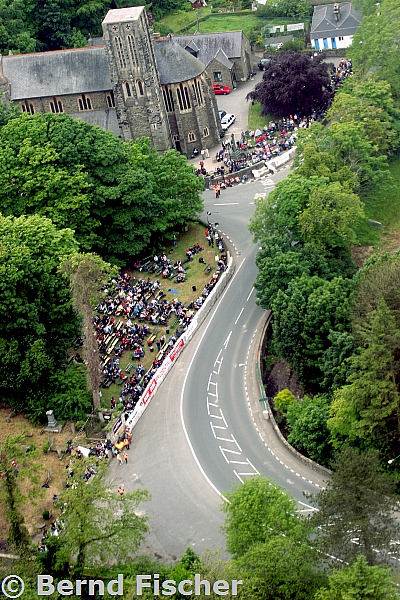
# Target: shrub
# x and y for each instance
(283, 400)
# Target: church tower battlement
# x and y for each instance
(134, 76)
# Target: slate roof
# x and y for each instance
(57, 73)
(222, 58)
(95, 41)
(174, 63)
(210, 43)
(281, 39)
(323, 24)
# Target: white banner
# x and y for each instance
(295, 27)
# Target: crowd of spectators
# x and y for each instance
(131, 312)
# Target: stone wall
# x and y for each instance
(227, 75)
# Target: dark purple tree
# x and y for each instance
(293, 82)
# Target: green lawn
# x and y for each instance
(182, 18)
(256, 121)
(383, 205)
(231, 22)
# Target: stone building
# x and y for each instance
(126, 81)
(227, 55)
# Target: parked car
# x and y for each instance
(227, 121)
(221, 113)
(221, 90)
(263, 64)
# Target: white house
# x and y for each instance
(333, 25)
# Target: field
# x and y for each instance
(216, 22)
(183, 18)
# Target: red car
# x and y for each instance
(220, 90)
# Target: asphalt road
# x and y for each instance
(204, 431)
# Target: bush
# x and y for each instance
(309, 433)
(79, 425)
(46, 448)
(46, 515)
(283, 400)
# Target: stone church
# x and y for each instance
(129, 81)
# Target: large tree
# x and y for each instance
(118, 197)
(367, 409)
(304, 316)
(257, 511)
(37, 323)
(356, 510)
(293, 82)
(98, 522)
(279, 569)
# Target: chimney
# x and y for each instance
(336, 11)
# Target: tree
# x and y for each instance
(308, 431)
(87, 273)
(116, 196)
(370, 103)
(349, 149)
(332, 213)
(304, 316)
(98, 522)
(293, 82)
(37, 323)
(257, 511)
(375, 48)
(283, 400)
(355, 510)
(279, 569)
(377, 281)
(369, 406)
(335, 363)
(359, 581)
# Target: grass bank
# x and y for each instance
(256, 120)
(383, 205)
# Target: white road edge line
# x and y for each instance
(184, 385)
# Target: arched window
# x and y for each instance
(110, 99)
(179, 95)
(168, 98)
(206, 132)
(56, 105)
(28, 107)
(191, 136)
(183, 98)
(132, 50)
(199, 92)
(187, 97)
(140, 87)
(127, 89)
(120, 52)
(84, 102)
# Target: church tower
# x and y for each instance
(134, 77)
